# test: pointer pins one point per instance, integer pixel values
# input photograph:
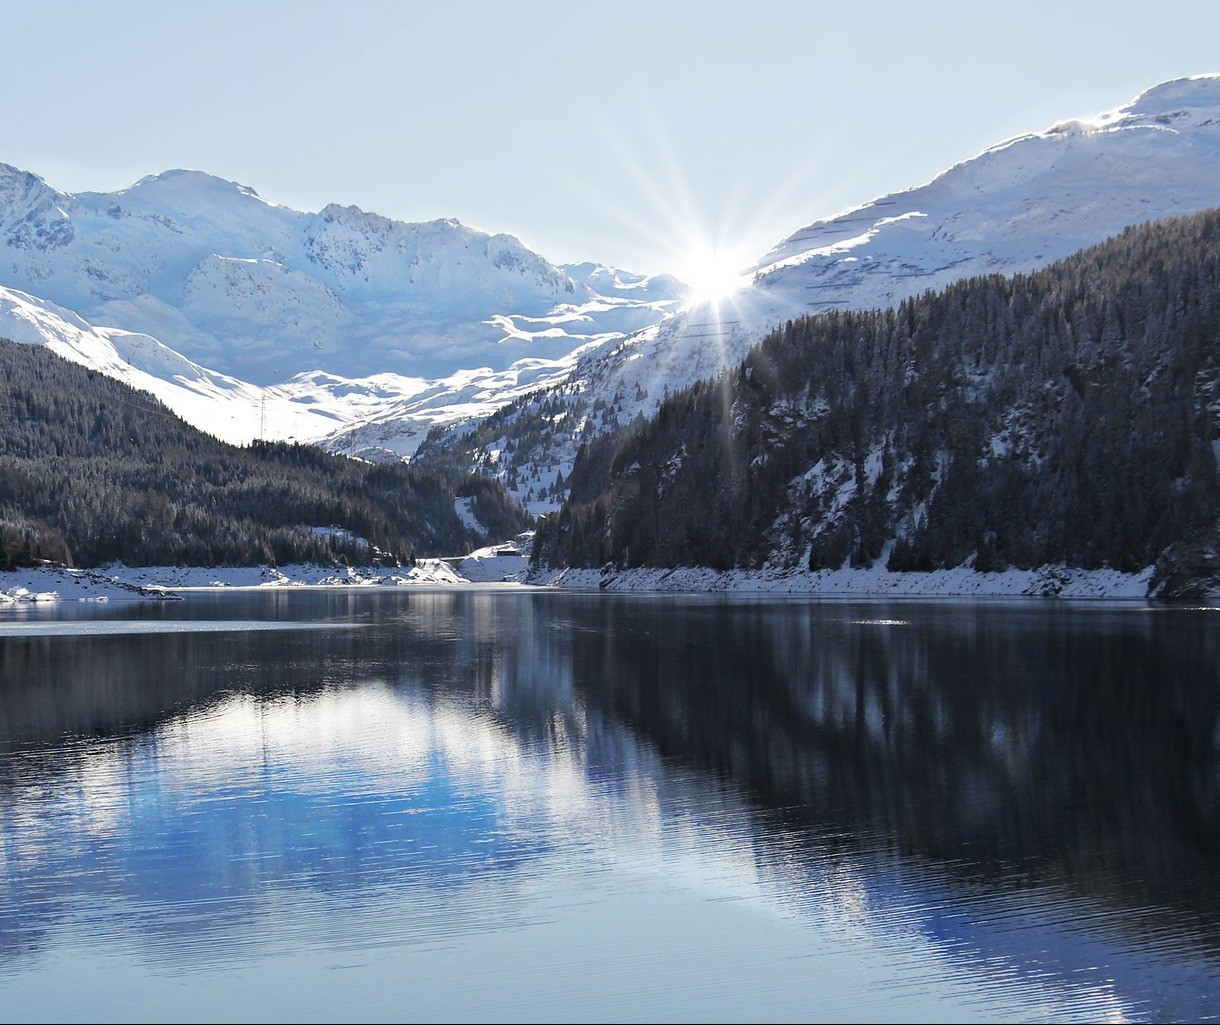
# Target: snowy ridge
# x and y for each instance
(227, 407)
(223, 406)
(402, 411)
(1016, 206)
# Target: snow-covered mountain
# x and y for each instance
(363, 333)
(1018, 206)
(308, 323)
(264, 292)
(1015, 207)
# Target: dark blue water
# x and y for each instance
(506, 804)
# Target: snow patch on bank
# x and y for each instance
(1045, 582)
(498, 564)
(135, 583)
(51, 583)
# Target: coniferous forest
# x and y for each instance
(92, 472)
(1066, 416)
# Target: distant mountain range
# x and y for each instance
(262, 292)
(366, 334)
(254, 320)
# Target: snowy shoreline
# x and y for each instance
(153, 583)
(1045, 582)
(124, 583)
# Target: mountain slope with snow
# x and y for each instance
(1015, 207)
(262, 292)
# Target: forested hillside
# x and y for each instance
(1066, 416)
(92, 472)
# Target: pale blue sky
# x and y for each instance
(619, 131)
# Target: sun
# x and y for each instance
(713, 273)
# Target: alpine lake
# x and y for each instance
(497, 803)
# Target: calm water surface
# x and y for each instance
(506, 804)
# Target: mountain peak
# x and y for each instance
(16, 185)
(10, 173)
(181, 185)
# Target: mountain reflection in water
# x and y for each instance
(695, 806)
